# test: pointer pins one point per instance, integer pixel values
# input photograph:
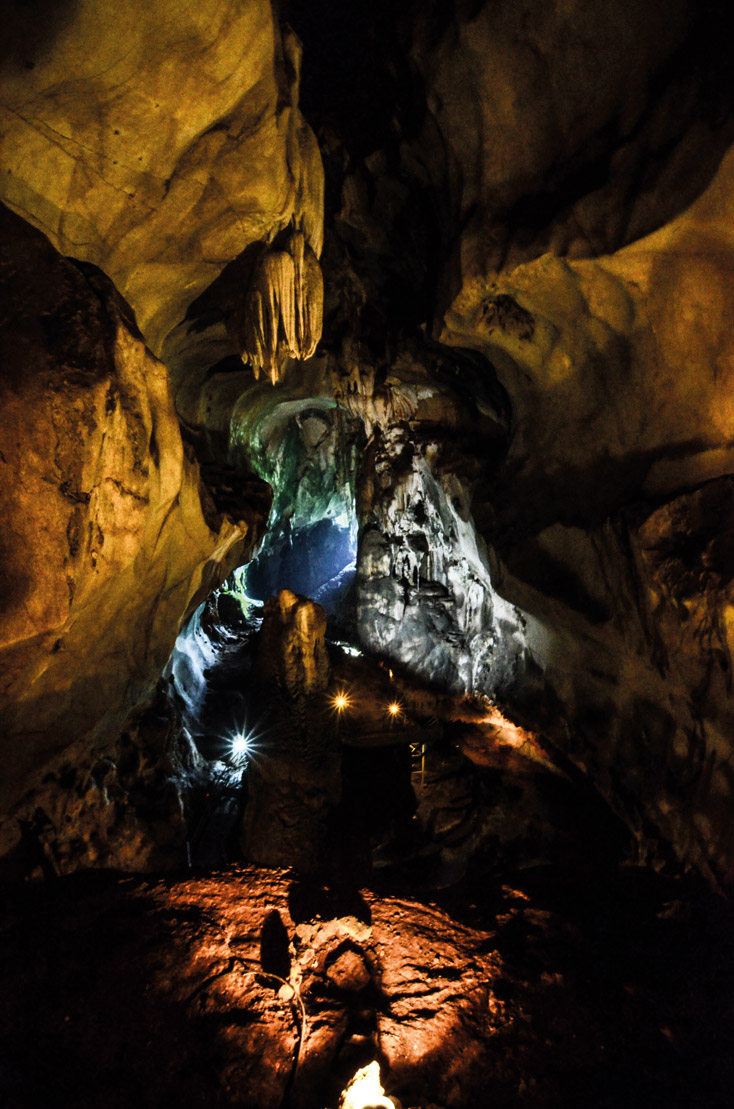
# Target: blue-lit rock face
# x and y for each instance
(317, 561)
(309, 452)
(416, 586)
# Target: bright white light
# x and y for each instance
(347, 648)
(240, 748)
(365, 1089)
(394, 709)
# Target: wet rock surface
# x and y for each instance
(253, 988)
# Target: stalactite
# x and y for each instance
(310, 317)
(283, 306)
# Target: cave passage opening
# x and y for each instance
(371, 550)
(309, 452)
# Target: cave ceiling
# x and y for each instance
(490, 244)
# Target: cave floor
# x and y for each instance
(250, 987)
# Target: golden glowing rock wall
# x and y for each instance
(107, 536)
(158, 141)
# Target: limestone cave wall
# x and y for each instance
(498, 237)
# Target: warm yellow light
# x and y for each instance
(394, 709)
(341, 701)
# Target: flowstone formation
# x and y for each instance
(283, 307)
(424, 591)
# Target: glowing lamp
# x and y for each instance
(394, 709)
(240, 747)
(365, 1090)
(341, 701)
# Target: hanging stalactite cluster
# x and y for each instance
(283, 308)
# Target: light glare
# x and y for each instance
(341, 701)
(240, 747)
(365, 1090)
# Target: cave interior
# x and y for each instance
(367, 559)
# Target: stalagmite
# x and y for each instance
(292, 652)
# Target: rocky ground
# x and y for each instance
(466, 913)
(247, 987)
